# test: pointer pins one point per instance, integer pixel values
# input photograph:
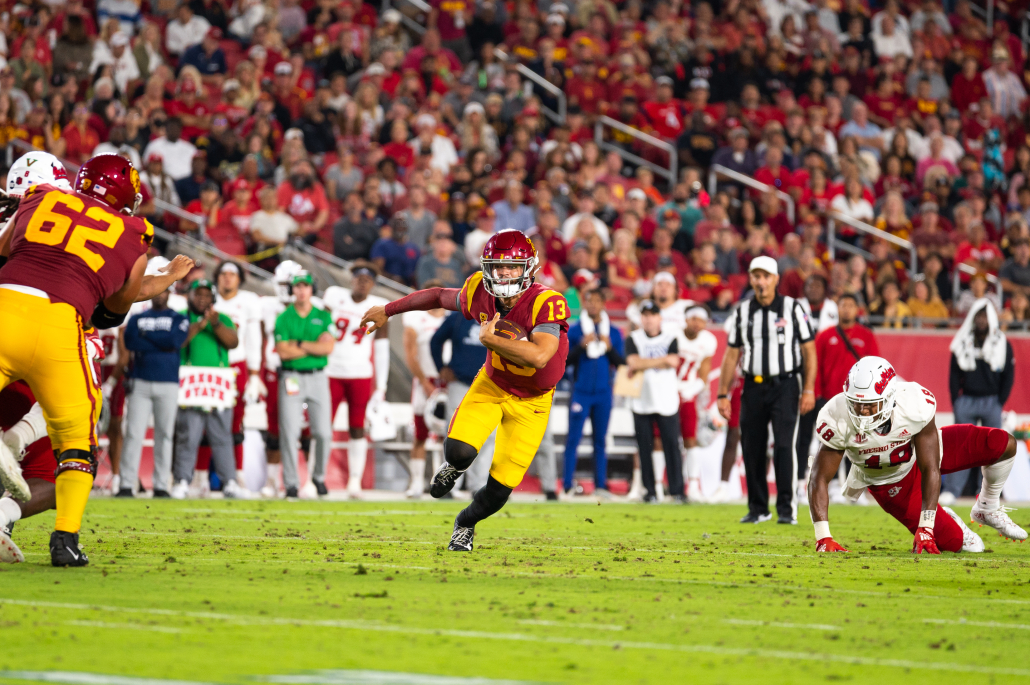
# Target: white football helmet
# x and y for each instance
(34, 168)
(869, 393)
(435, 414)
(379, 420)
(284, 274)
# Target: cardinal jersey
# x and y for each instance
(538, 305)
(74, 248)
(245, 310)
(352, 355)
(425, 325)
(878, 459)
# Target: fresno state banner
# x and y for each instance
(204, 387)
(923, 356)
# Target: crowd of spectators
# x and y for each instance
(340, 125)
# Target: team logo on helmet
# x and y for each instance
(59, 171)
(885, 378)
(134, 178)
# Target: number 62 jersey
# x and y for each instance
(878, 459)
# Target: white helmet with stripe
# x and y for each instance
(35, 168)
(869, 392)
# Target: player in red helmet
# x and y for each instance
(513, 393)
(70, 259)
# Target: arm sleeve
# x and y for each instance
(801, 324)
(437, 341)
(253, 338)
(1008, 375)
(674, 346)
(135, 341)
(549, 328)
(732, 329)
(381, 354)
(424, 300)
(631, 347)
(955, 379)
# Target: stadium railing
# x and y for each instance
(966, 269)
(418, 5)
(833, 243)
(558, 117)
(667, 172)
(718, 170)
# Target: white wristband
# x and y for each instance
(822, 530)
(926, 518)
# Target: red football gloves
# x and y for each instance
(828, 545)
(925, 542)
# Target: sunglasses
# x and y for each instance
(160, 122)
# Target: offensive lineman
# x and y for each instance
(356, 360)
(514, 390)
(696, 348)
(69, 259)
(878, 422)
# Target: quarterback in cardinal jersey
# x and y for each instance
(886, 429)
(513, 391)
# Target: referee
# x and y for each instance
(769, 334)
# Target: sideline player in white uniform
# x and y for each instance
(271, 307)
(244, 308)
(696, 347)
(419, 328)
(351, 369)
(886, 429)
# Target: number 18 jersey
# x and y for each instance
(878, 459)
(352, 354)
(76, 249)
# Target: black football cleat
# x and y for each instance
(461, 538)
(444, 480)
(320, 488)
(756, 518)
(291, 492)
(64, 549)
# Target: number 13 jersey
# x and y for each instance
(878, 459)
(352, 354)
(76, 249)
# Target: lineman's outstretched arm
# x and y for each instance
(177, 269)
(824, 469)
(111, 312)
(928, 458)
(421, 300)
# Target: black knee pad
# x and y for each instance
(69, 460)
(459, 454)
(271, 442)
(237, 438)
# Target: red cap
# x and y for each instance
(240, 184)
(188, 86)
(214, 32)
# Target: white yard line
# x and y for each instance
(978, 624)
(360, 677)
(373, 626)
(78, 678)
(124, 626)
(776, 624)
(564, 624)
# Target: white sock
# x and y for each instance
(693, 464)
(201, 479)
(418, 473)
(240, 480)
(658, 459)
(274, 471)
(995, 476)
(638, 482)
(9, 512)
(357, 454)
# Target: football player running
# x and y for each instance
(70, 259)
(514, 390)
(886, 429)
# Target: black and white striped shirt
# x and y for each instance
(770, 337)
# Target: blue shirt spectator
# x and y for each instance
(593, 374)
(467, 354)
(206, 56)
(154, 337)
(396, 259)
(511, 213)
(869, 135)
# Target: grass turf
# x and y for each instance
(219, 591)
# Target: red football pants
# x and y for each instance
(965, 447)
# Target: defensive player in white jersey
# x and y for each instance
(244, 308)
(357, 360)
(419, 328)
(886, 429)
(664, 293)
(271, 307)
(696, 348)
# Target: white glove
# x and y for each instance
(254, 390)
(108, 389)
(31, 428)
(691, 389)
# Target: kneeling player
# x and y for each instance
(878, 422)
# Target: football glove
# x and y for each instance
(925, 542)
(828, 545)
(254, 390)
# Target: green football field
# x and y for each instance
(349, 592)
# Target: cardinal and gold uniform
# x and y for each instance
(516, 400)
(68, 252)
